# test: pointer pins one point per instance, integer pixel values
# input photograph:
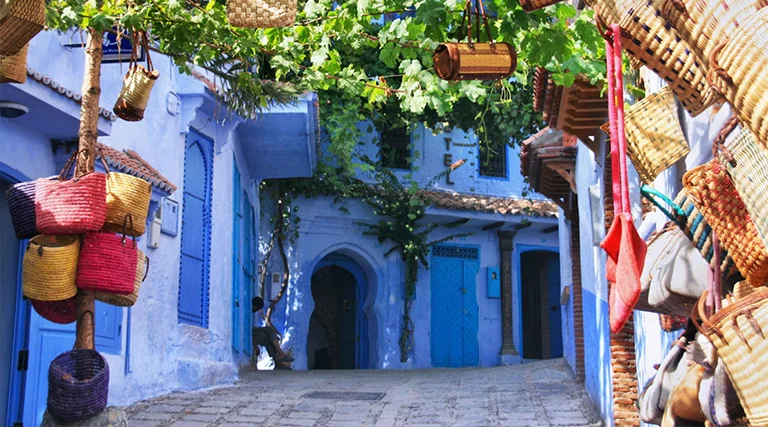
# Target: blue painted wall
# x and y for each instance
(162, 355)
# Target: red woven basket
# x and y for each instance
(72, 206)
(61, 312)
(108, 262)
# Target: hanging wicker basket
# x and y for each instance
(649, 38)
(126, 194)
(20, 21)
(261, 13)
(13, 69)
(747, 164)
(532, 5)
(655, 140)
(712, 191)
(21, 204)
(703, 23)
(108, 262)
(739, 70)
(137, 84)
(71, 206)
(78, 385)
(739, 333)
(50, 268)
(473, 60)
(62, 312)
(142, 269)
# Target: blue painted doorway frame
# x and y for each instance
(518, 251)
(362, 354)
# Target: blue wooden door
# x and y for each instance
(555, 312)
(454, 308)
(249, 276)
(237, 261)
(194, 274)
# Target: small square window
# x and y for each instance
(493, 160)
(395, 148)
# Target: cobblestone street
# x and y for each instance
(532, 394)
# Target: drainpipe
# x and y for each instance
(509, 354)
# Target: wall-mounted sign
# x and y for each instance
(494, 282)
(121, 51)
(170, 218)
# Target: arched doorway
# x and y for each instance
(542, 336)
(338, 328)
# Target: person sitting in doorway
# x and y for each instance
(267, 337)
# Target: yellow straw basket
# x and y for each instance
(142, 269)
(13, 69)
(655, 140)
(20, 21)
(261, 13)
(739, 333)
(50, 267)
(740, 72)
(648, 37)
(126, 194)
(747, 163)
(137, 84)
(703, 23)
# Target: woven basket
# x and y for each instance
(685, 215)
(134, 96)
(739, 331)
(142, 269)
(20, 21)
(61, 312)
(50, 268)
(712, 191)
(655, 140)
(107, 263)
(703, 23)
(261, 13)
(531, 5)
(21, 204)
(649, 38)
(739, 70)
(126, 194)
(747, 164)
(13, 69)
(78, 385)
(72, 206)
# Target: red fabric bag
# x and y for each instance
(72, 206)
(625, 248)
(108, 262)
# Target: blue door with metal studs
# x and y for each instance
(454, 306)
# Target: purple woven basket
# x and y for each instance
(21, 203)
(78, 385)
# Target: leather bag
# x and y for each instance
(674, 274)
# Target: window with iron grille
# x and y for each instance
(395, 148)
(493, 160)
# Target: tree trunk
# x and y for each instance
(280, 236)
(89, 121)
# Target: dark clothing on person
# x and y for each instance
(266, 337)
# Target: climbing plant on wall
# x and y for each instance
(399, 202)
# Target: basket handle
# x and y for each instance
(652, 194)
(70, 166)
(146, 269)
(128, 220)
(468, 17)
(718, 144)
(715, 65)
(103, 161)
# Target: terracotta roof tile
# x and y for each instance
(481, 203)
(129, 161)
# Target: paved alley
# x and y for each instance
(532, 394)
